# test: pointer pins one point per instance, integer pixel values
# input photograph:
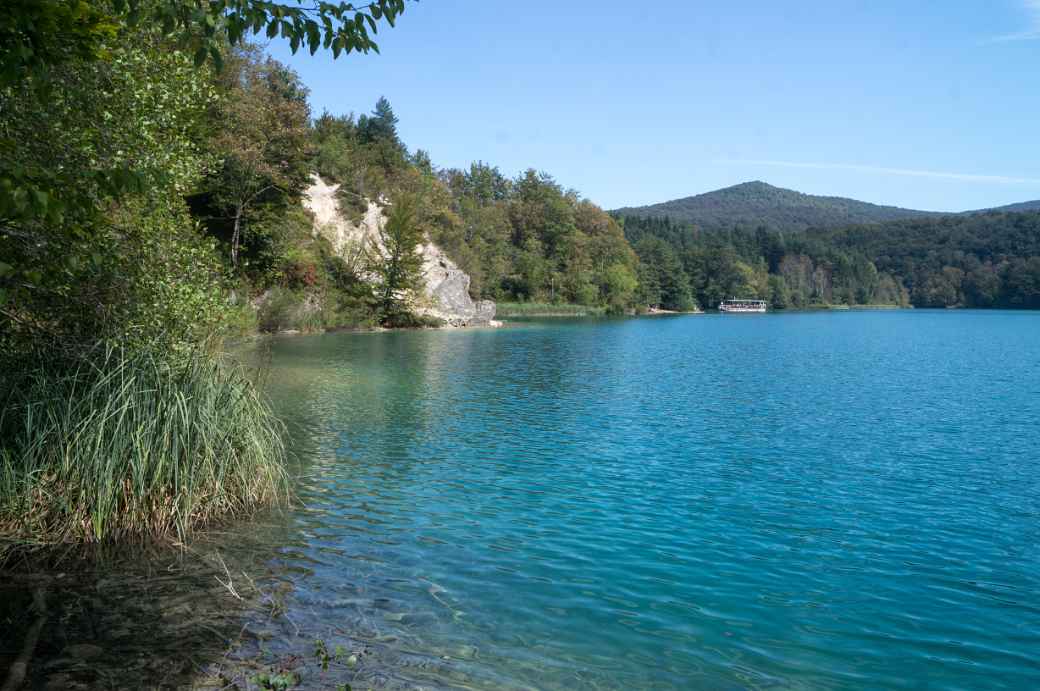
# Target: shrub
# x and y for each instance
(284, 309)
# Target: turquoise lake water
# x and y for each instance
(832, 500)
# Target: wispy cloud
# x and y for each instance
(1032, 32)
(965, 177)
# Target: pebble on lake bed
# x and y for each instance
(83, 651)
(466, 652)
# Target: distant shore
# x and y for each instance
(505, 310)
(849, 307)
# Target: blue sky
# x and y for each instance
(930, 104)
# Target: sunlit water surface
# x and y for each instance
(835, 500)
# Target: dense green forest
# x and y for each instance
(757, 204)
(976, 260)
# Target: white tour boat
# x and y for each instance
(743, 306)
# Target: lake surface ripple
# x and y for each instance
(836, 500)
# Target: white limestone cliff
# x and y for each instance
(445, 294)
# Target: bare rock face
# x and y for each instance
(445, 293)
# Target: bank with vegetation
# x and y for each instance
(150, 168)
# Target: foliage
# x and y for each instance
(528, 239)
(163, 289)
(662, 280)
(133, 445)
(92, 271)
(260, 125)
(204, 27)
(976, 260)
(396, 259)
(364, 156)
(38, 35)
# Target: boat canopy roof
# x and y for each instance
(748, 300)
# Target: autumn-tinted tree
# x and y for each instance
(261, 140)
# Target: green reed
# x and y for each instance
(134, 446)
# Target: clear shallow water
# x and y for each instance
(835, 500)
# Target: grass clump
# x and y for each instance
(134, 446)
(547, 309)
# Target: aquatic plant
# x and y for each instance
(132, 446)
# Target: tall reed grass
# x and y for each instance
(134, 446)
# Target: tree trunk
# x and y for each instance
(235, 236)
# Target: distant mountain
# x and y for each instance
(1019, 207)
(760, 204)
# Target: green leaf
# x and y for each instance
(5, 269)
(200, 55)
(40, 198)
(234, 30)
(218, 59)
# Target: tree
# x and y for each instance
(665, 272)
(262, 139)
(98, 119)
(381, 125)
(79, 276)
(779, 295)
(37, 35)
(618, 284)
(396, 260)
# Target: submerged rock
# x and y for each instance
(83, 651)
(466, 652)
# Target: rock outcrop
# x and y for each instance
(445, 294)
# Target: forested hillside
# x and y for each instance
(1020, 206)
(523, 238)
(978, 260)
(754, 204)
